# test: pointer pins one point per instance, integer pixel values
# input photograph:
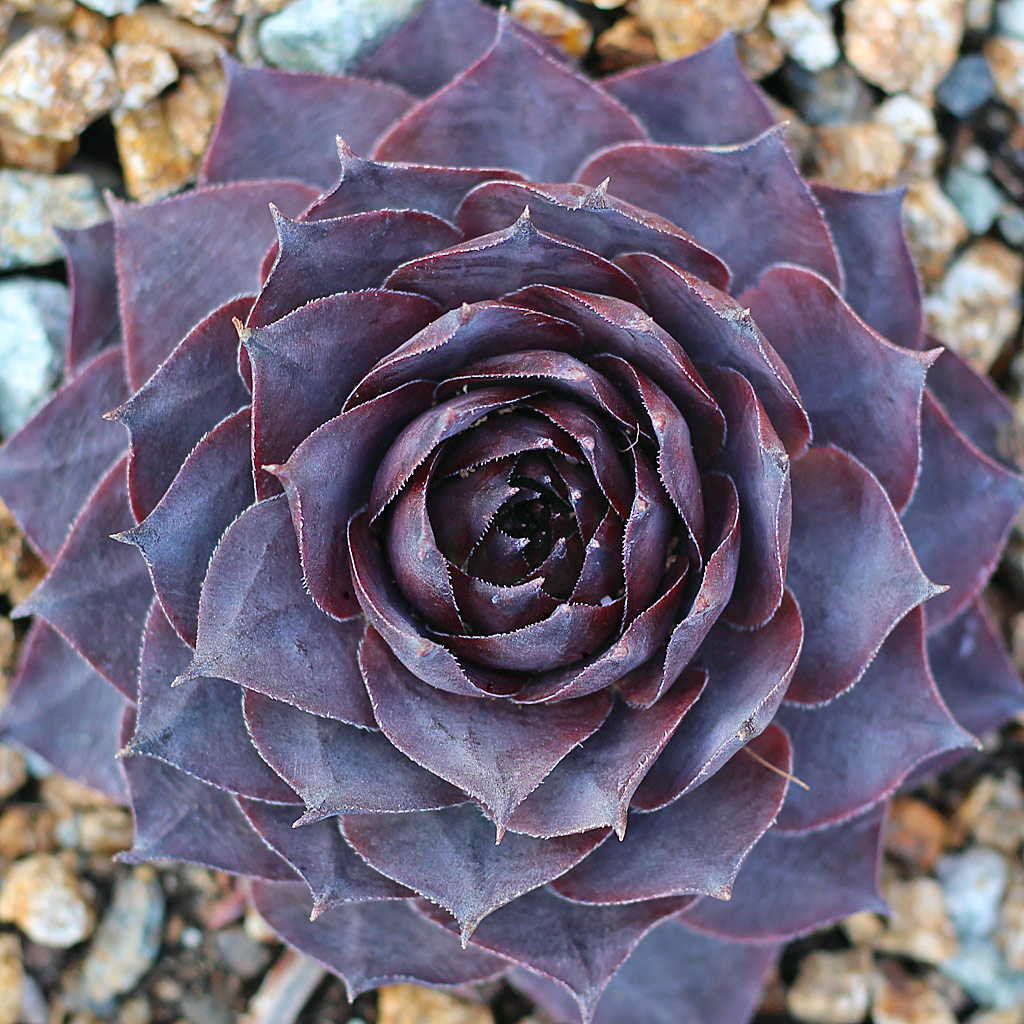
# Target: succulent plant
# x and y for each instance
(544, 548)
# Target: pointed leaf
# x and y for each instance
(496, 751)
(337, 768)
(259, 627)
(61, 709)
(51, 466)
(695, 845)
(450, 857)
(840, 509)
(184, 256)
(372, 944)
(862, 393)
(259, 136)
(97, 593)
(771, 216)
(497, 114)
(796, 882)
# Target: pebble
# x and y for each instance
(900, 999)
(243, 955)
(190, 45)
(33, 327)
(110, 8)
(973, 883)
(25, 829)
(919, 925)
(89, 27)
(625, 45)
(993, 813)
(45, 899)
(104, 830)
(759, 52)
(192, 109)
(1005, 55)
(52, 86)
(978, 14)
(976, 308)
(216, 14)
(12, 979)
(556, 21)
(681, 27)
(1014, 1016)
(34, 152)
(934, 228)
(324, 35)
(32, 204)
(833, 96)
(1011, 225)
(127, 940)
(65, 795)
(861, 155)
(1010, 17)
(983, 972)
(804, 33)
(13, 770)
(413, 1004)
(1010, 929)
(913, 123)
(969, 85)
(143, 72)
(915, 833)
(904, 45)
(832, 988)
(977, 198)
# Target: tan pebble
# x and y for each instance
(34, 152)
(12, 979)
(976, 308)
(1013, 1016)
(191, 45)
(759, 52)
(625, 45)
(556, 21)
(832, 988)
(913, 123)
(64, 794)
(13, 771)
(258, 8)
(1010, 929)
(192, 110)
(915, 833)
(52, 86)
(900, 999)
(804, 33)
(257, 928)
(46, 900)
(1005, 57)
(904, 45)
(47, 12)
(412, 1004)
(152, 159)
(863, 929)
(934, 227)
(216, 14)
(861, 155)
(997, 818)
(7, 16)
(106, 830)
(90, 27)
(978, 14)
(681, 27)
(25, 829)
(143, 72)
(919, 926)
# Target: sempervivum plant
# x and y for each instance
(570, 473)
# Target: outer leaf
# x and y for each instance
(197, 728)
(960, 514)
(771, 216)
(496, 751)
(259, 135)
(338, 769)
(722, 107)
(51, 466)
(495, 114)
(862, 393)
(840, 508)
(858, 749)
(181, 257)
(260, 628)
(695, 845)
(63, 710)
(195, 388)
(793, 883)
(450, 857)
(372, 944)
(97, 593)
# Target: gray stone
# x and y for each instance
(1010, 17)
(967, 86)
(833, 96)
(127, 940)
(976, 197)
(980, 968)
(111, 7)
(32, 205)
(33, 326)
(324, 35)
(243, 955)
(973, 883)
(1011, 225)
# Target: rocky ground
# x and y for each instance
(97, 94)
